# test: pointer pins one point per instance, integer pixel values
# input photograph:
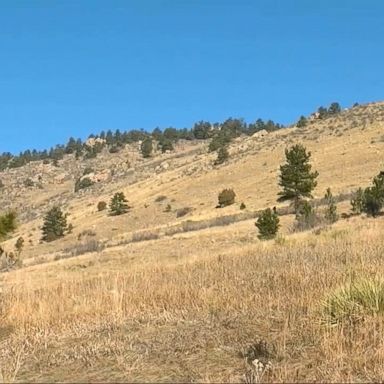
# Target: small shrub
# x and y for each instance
(28, 183)
(242, 206)
(373, 198)
(19, 245)
(7, 224)
(88, 170)
(70, 228)
(168, 208)
(268, 224)
(160, 198)
(101, 206)
(355, 301)
(331, 210)
(83, 183)
(306, 217)
(86, 233)
(222, 155)
(302, 122)
(166, 145)
(144, 236)
(90, 246)
(221, 139)
(357, 201)
(226, 197)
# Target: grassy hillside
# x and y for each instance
(149, 296)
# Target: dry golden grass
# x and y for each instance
(192, 319)
(162, 303)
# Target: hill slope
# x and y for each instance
(162, 302)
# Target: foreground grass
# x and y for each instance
(198, 319)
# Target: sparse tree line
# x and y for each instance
(219, 134)
(322, 113)
(115, 140)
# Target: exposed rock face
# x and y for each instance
(261, 133)
(99, 177)
(162, 167)
(91, 142)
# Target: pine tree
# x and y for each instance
(323, 112)
(334, 109)
(55, 224)
(146, 147)
(296, 177)
(268, 224)
(373, 199)
(302, 122)
(330, 214)
(372, 202)
(118, 204)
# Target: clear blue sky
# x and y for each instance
(71, 68)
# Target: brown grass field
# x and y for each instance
(202, 305)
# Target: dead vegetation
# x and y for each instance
(211, 319)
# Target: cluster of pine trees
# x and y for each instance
(116, 140)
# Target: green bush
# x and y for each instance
(83, 183)
(88, 170)
(165, 145)
(331, 210)
(372, 199)
(7, 224)
(222, 155)
(355, 301)
(357, 201)
(268, 224)
(372, 202)
(146, 147)
(226, 197)
(221, 139)
(302, 122)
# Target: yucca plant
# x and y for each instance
(355, 301)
